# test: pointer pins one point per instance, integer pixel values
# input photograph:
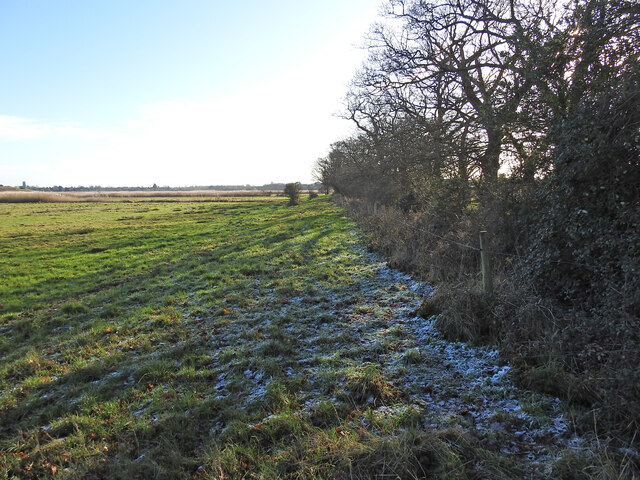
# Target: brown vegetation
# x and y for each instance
(30, 196)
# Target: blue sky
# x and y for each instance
(188, 92)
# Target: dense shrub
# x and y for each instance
(293, 191)
(570, 332)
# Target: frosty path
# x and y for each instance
(358, 352)
(449, 384)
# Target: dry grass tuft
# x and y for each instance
(366, 384)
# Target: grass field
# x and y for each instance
(128, 331)
(226, 340)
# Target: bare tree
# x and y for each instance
(462, 66)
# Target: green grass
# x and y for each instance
(164, 340)
(203, 340)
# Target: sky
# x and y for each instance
(176, 93)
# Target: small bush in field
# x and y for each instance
(313, 195)
(293, 190)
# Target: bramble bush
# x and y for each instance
(293, 191)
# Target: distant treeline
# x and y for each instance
(218, 188)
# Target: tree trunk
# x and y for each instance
(490, 161)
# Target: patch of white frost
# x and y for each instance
(459, 380)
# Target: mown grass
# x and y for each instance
(170, 340)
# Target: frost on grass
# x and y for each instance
(455, 384)
(261, 341)
(444, 383)
(361, 349)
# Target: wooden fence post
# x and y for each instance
(375, 208)
(485, 261)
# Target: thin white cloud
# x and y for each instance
(270, 130)
(273, 131)
(17, 128)
(249, 139)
